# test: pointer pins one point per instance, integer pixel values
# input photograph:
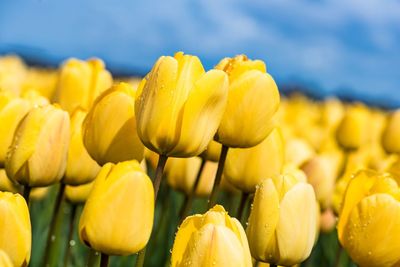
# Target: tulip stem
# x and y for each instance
(162, 160)
(70, 235)
(213, 197)
(26, 193)
(159, 174)
(104, 260)
(242, 206)
(93, 258)
(50, 235)
(189, 198)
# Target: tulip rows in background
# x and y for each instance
(188, 167)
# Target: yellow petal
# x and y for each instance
(296, 229)
(372, 232)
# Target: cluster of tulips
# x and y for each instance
(275, 173)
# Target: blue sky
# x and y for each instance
(335, 47)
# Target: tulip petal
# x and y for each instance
(372, 232)
(202, 113)
(263, 220)
(246, 120)
(296, 229)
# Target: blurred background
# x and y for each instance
(346, 48)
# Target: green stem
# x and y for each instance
(213, 197)
(50, 235)
(162, 160)
(93, 258)
(338, 256)
(104, 260)
(70, 235)
(189, 198)
(242, 206)
(26, 193)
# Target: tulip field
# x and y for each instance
(191, 167)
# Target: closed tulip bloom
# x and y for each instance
(353, 129)
(38, 193)
(247, 167)
(181, 174)
(391, 135)
(5, 260)
(321, 174)
(15, 228)
(252, 101)
(12, 110)
(38, 154)
(41, 80)
(298, 151)
(118, 215)
(109, 130)
(81, 168)
(283, 221)
(12, 73)
(79, 193)
(369, 222)
(80, 82)
(179, 106)
(211, 239)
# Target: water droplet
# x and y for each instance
(369, 253)
(53, 238)
(72, 243)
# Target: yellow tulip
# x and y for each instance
(252, 101)
(247, 167)
(43, 81)
(6, 184)
(211, 239)
(15, 228)
(332, 113)
(109, 130)
(283, 221)
(12, 73)
(38, 154)
(321, 174)
(212, 152)
(80, 82)
(35, 98)
(369, 222)
(179, 106)
(39, 193)
(181, 174)
(118, 215)
(327, 221)
(391, 135)
(5, 260)
(81, 168)
(353, 129)
(12, 110)
(298, 151)
(78, 194)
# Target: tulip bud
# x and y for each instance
(118, 215)
(353, 130)
(38, 193)
(391, 135)
(369, 222)
(78, 194)
(44, 81)
(12, 73)
(38, 154)
(327, 221)
(181, 174)
(81, 168)
(247, 167)
(252, 101)
(179, 106)
(211, 239)
(298, 151)
(5, 261)
(212, 152)
(321, 174)
(282, 224)
(12, 111)
(109, 130)
(332, 113)
(15, 228)
(80, 82)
